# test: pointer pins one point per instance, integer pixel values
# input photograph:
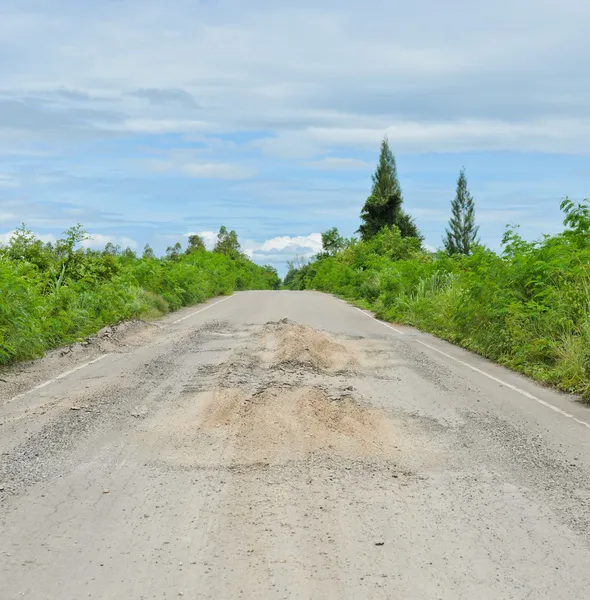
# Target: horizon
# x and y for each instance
(146, 123)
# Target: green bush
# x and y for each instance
(52, 295)
(527, 308)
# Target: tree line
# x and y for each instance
(56, 293)
(526, 306)
(384, 209)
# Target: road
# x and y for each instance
(287, 445)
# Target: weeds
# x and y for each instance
(52, 295)
(527, 308)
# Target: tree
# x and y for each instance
(461, 235)
(332, 242)
(195, 244)
(383, 208)
(111, 250)
(173, 252)
(227, 243)
(23, 245)
(148, 252)
(70, 258)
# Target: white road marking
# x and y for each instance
(54, 379)
(372, 317)
(496, 379)
(91, 362)
(200, 311)
(509, 385)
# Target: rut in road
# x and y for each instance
(281, 397)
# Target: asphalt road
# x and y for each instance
(227, 453)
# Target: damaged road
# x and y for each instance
(285, 445)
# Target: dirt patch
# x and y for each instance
(290, 345)
(124, 335)
(277, 426)
(283, 396)
(285, 424)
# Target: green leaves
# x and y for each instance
(461, 235)
(383, 208)
(527, 308)
(54, 295)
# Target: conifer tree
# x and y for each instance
(383, 207)
(461, 235)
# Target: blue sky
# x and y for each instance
(149, 120)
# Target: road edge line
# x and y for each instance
(91, 362)
(200, 311)
(372, 317)
(509, 385)
(57, 378)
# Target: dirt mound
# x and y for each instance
(290, 345)
(281, 397)
(281, 424)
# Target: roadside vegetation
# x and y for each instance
(526, 307)
(54, 294)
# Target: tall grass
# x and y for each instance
(52, 295)
(527, 307)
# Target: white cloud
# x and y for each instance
(564, 134)
(209, 237)
(455, 72)
(44, 237)
(278, 250)
(6, 181)
(313, 242)
(99, 241)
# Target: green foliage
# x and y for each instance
(227, 243)
(174, 252)
(461, 235)
(52, 295)
(527, 308)
(195, 244)
(332, 242)
(383, 208)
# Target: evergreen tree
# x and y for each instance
(383, 207)
(461, 235)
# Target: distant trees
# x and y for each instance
(195, 244)
(148, 253)
(62, 292)
(383, 208)
(174, 252)
(332, 242)
(461, 234)
(227, 243)
(111, 250)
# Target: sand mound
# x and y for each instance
(290, 345)
(279, 425)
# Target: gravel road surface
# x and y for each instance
(287, 445)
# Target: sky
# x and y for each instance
(149, 120)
